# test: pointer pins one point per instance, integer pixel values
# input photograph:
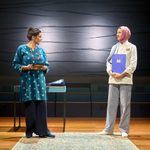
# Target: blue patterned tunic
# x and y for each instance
(32, 83)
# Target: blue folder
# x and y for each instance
(118, 63)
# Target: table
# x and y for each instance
(50, 89)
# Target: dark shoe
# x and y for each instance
(50, 135)
(42, 136)
(28, 135)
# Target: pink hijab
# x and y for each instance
(126, 33)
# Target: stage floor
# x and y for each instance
(139, 129)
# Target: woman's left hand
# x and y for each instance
(117, 75)
(120, 76)
(44, 67)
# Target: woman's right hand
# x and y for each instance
(28, 67)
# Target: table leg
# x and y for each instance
(14, 111)
(64, 119)
(55, 104)
(16, 128)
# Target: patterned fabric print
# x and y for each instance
(32, 83)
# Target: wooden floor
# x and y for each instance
(139, 129)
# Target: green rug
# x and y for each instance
(76, 141)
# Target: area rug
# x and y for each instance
(76, 141)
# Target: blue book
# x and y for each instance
(118, 63)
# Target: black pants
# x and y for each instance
(36, 117)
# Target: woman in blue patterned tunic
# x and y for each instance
(31, 62)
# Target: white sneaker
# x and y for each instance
(124, 134)
(105, 133)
